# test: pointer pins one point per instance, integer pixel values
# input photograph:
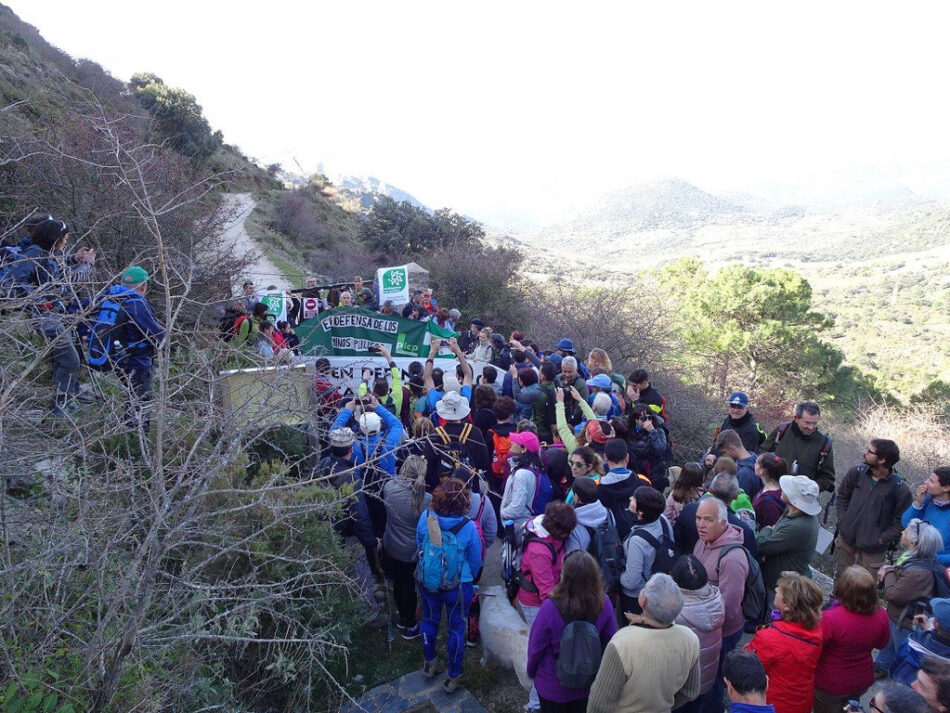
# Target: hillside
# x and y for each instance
(877, 260)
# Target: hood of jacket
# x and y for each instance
(734, 535)
(534, 525)
(591, 515)
(618, 492)
(702, 609)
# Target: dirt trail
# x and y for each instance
(238, 206)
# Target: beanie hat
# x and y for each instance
(134, 275)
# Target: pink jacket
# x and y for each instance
(538, 566)
(728, 576)
(703, 613)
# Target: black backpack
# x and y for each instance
(663, 547)
(605, 547)
(580, 651)
(755, 600)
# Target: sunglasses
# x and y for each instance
(578, 464)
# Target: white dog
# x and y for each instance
(504, 633)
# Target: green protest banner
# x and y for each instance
(350, 331)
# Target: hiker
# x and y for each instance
(871, 499)
(449, 556)
(687, 489)
(640, 389)
(729, 444)
(905, 583)
(41, 272)
(789, 544)
(469, 339)
(768, 503)
(537, 391)
(249, 296)
(746, 683)
(482, 350)
(851, 627)
(789, 648)
(142, 334)
(648, 548)
(570, 376)
(649, 445)
(924, 642)
(456, 442)
(892, 698)
(337, 467)
(499, 436)
(652, 665)
(932, 504)
(542, 556)
(578, 596)
(807, 450)
(406, 499)
(740, 420)
(590, 513)
(526, 470)
(725, 570)
(725, 488)
(933, 684)
(703, 613)
(618, 484)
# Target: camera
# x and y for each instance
(443, 343)
(374, 348)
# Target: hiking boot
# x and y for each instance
(450, 685)
(85, 397)
(471, 642)
(411, 632)
(431, 668)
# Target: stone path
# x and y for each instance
(414, 693)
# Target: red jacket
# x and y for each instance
(789, 652)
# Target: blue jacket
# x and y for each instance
(391, 435)
(750, 708)
(468, 536)
(909, 654)
(938, 516)
(142, 331)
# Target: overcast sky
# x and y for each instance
(534, 109)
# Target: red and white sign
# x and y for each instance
(311, 307)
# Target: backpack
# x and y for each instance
(543, 491)
(663, 547)
(527, 537)
(742, 507)
(605, 547)
(441, 556)
(755, 600)
(453, 454)
(941, 577)
(12, 260)
(499, 460)
(106, 346)
(580, 651)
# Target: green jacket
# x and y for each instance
(543, 413)
(788, 545)
(805, 451)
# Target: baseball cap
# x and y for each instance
(134, 275)
(601, 381)
(370, 423)
(739, 398)
(527, 440)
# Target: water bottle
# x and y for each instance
(795, 467)
(509, 528)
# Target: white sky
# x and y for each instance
(535, 109)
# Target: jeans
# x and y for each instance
(456, 602)
(887, 657)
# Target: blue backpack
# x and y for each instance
(106, 336)
(441, 556)
(543, 491)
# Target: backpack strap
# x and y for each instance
(726, 550)
(481, 507)
(782, 428)
(456, 528)
(466, 432)
(442, 434)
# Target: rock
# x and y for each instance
(504, 633)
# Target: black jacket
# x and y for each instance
(869, 513)
(749, 431)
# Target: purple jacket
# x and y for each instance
(544, 643)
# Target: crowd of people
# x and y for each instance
(638, 578)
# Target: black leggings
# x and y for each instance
(578, 706)
(402, 575)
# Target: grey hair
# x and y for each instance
(721, 510)
(725, 486)
(347, 292)
(664, 598)
(601, 403)
(568, 361)
(929, 541)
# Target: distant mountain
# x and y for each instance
(367, 189)
(659, 222)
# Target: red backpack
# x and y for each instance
(499, 459)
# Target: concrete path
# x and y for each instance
(237, 207)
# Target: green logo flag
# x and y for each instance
(350, 331)
(393, 284)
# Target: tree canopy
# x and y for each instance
(402, 230)
(179, 120)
